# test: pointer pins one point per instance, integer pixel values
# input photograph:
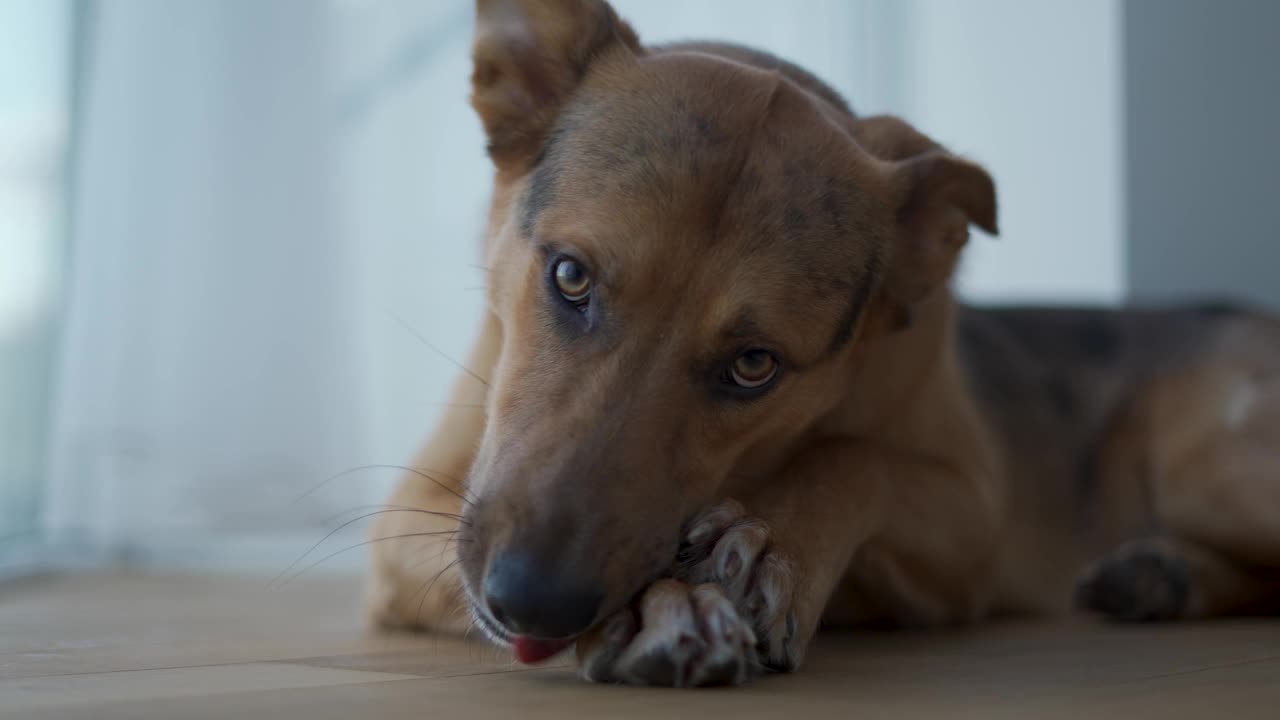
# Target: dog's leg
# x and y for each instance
(1167, 578)
(1214, 436)
(414, 581)
(778, 560)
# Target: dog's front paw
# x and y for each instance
(726, 547)
(684, 636)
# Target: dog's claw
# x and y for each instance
(687, 636)
(729, 549)
(599, 652)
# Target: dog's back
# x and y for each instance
(1085, 402)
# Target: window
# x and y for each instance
(34, 121)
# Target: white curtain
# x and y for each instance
(35, 37)
(212, 366)
(273, 199)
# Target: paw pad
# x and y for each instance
(1140, 582)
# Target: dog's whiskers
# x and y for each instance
(449, 516)
(444, 548)
(430, 584)
(382, 509)
(385, 466)
(371, 541)
(451, 404)
(410, 329)
(452, 478)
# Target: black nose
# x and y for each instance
(530, 597)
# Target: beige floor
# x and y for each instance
(143, 647)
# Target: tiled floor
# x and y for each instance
(171, 647)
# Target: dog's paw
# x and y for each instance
(684, 636)
(1141, 581)
(726, 547)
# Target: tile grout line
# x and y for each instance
(1194, 671)
(293, 660)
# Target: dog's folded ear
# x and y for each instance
(941, 196)
(938, 196)
(529, 56)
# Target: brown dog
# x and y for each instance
(727, 394)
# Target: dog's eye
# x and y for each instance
(753, 369)
(572, 281)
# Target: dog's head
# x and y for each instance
(686, 254)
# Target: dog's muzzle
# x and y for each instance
(537, 603)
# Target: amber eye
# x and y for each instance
(572, 281)
(753, 369)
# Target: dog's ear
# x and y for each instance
(937, 196)
(529, 56)
(940, 196)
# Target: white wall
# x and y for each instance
(1204, 163)
(1031, 89)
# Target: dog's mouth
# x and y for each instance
(526, 648)
(530, 650)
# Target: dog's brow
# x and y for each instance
(743, 327)
(542, 185)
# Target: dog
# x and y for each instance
(723, 393)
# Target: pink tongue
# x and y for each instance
(530, 650)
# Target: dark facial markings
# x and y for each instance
(857, 303)
(708, 132)
(831, 206)
(744, 327)
(542, 186)
(795, 220)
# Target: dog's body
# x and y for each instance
(1117, 425)
(728, 395)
